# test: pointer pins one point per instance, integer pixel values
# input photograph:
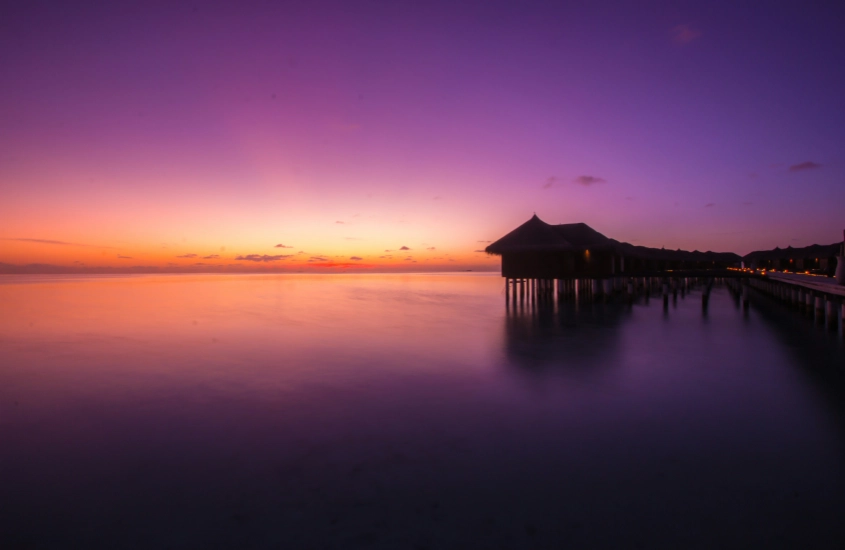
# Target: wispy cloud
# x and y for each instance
(340, 222)
(809, 165)
(340, 265)
(484, 241)
(356, 258)
(262, 258)
(709, 205)
(187, 256)
(431, 248)
(684, 34)
(211, 257)
(124, 257)
(550, 182)
(588, 180)
(404, 248)
(282, 246)
(51, 241)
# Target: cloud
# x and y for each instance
(342, 265)
(282, 246)
(478, 251)
(187, 256)
(684, 34)
(262, 258)
(709, 204)
(404, 248)
(318, 259)
(50, 241)
(588, 180)
(211, 257)
(804, 166)
(437, 198)
(340, 222)
(124, 257)
(484, 241)
(431, 248)
(550, 182)
(42, 241)
(356, 258)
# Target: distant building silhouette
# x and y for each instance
(816, 258)
(538, 250)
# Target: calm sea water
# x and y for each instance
(409, 411)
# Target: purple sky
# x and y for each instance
(202, 127)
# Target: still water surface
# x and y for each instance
(409, 411)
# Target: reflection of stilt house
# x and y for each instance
(537, 250)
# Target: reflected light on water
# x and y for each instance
(393, 411)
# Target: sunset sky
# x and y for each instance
(398, 135)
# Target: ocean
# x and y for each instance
(410, 411)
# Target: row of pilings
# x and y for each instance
(533, 291)
(824, 308)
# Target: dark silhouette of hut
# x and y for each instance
(538, 250)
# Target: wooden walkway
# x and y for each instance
(825, 285)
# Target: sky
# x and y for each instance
(405, 136)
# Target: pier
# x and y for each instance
(818, 297)
(543, 263)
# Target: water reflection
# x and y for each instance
(565, 337)
(410, 412)
(816, 348)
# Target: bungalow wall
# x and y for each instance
(559, 265)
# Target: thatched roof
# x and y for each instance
(647, 253)
(582, 236)
(535, 235)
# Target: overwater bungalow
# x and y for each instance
(538, 250)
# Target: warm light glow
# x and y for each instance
(297, 141)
